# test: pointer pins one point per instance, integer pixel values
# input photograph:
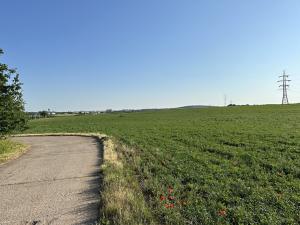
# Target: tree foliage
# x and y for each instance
(43, 113)
(12, 112)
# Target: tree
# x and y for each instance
(12, 111)
(43, 114)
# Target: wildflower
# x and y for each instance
(170, 190)
(169, 206)
(162, 198)
(222, 212)
(171, 197)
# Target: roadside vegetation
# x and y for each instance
(12, 114)
(122, 199)
(234, 165)
(10, 150)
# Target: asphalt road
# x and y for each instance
(56, 182)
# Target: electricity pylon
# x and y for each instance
(284, 87)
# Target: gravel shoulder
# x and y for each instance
(56, 182)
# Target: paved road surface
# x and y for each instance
(56, 182)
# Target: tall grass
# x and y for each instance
(9, 149)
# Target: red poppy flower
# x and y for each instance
(222, 212)
(169, 206)
(162, 198)
(171, 197)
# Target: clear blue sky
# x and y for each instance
(99, 54)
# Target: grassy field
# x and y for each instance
(235, 165)
(9, 149)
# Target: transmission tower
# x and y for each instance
(284, 85)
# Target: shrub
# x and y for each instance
(12, 112)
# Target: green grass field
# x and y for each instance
(235, 165)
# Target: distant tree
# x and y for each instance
(43, 114)
(12, 111)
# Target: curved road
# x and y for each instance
(56, 182)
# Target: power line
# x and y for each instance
(284, 87)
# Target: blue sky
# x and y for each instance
(97, 54)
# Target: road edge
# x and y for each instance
(121, 197)
(15, 155)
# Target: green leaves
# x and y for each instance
(12, 115)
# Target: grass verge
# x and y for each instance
(122, 199)
(10, 150)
